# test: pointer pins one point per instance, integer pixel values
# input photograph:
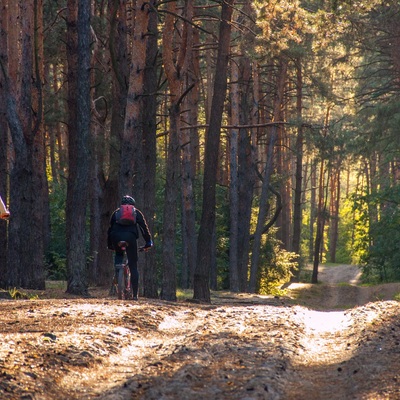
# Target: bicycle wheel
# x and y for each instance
(120, 283)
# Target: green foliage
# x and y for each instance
(276, 267)
(57, 219)
(56, 254)
(56, 267)
(345, 245)
(360, 236)
(306, 275)
(382, 264)
(222, 234)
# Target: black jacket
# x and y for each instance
(140, 223)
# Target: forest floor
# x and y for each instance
(335, 340)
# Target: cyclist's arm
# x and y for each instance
(141, 221)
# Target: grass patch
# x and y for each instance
(305, 294)
(56, 285)
(184, 294)
(343, 284)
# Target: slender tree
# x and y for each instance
(131, 161)
(207, 223)
(3, 142)
(26, 246)
(189, 139)
(118, 53)
(233, 186)
(176, 72)
(297, 201)
(150, 284)
(78, 49)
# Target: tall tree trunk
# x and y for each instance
(321, 210)
(207, 223)
(168, 285)
(78, 49)
(3, 144)
(190, 159)
(262, 212)
(313, 207)
(52, 130)
(321, 217)
(246, 172)
(297, 209)
(334, 214)
(189, 142)
(39, 179)
(97, 143)
(26, 242)
(120, 76)
(131, 162)
(132, 165)
(233, 184)
(176, 72)
(150, 286)
(169, 277)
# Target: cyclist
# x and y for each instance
(129, 233)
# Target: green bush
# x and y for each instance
(277, 266)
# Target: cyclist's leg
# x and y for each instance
(134, 279)
(132, 260)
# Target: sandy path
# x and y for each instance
(241, 347)
(339, 274)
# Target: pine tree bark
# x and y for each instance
(78, 50)
(25, 235)
(203, 265)
(3, 142)
(297, 203)
(118, 53)
(150, 284)
(247, 164)
(321, 209)
(321, 218)
(233, 184)
(334, 214)
(176, 72)
(131, 161)
(190, 155)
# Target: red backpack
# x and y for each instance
(126, 215)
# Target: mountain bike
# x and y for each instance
(122, 277)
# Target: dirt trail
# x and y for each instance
(239, 347)
(339, 288)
